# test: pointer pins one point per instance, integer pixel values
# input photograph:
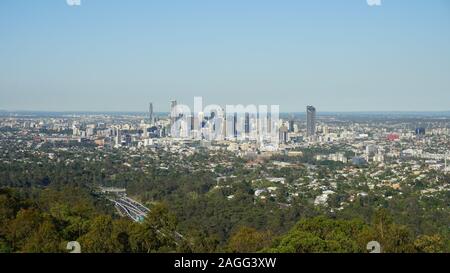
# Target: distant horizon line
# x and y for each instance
(281, 112)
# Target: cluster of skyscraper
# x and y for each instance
(229, 124)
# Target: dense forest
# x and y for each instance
(46, 203)
(45, 220)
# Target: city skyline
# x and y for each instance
(341, 56)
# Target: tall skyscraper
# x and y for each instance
(291, 125)
(247, 123)
(150, 113)
(118, 137)
(284, 134)
(173, 118)
(269, 123)
(310, 121)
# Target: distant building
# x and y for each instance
(173, 118)
(100, 142)
(378, 158)
(284, 135)
(173, 104)
(150, 113)
(269, 122)
(420, 131)
(153, 132)
(310, 121)
(393, 137)
(128, 140)
(291, 126)
(359, 161)
(371, 149)
(247, 123)
(118, 139)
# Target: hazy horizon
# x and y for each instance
(320, 113)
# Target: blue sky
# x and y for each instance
(117, 55)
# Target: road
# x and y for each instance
(131, 208)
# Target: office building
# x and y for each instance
(247, 123)
(420, 131)
(150, 113)
(173, 118)
(310, 121)
(284, 134)
(291, 126)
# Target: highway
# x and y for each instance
(128, 207)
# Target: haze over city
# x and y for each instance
(119, 55)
